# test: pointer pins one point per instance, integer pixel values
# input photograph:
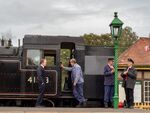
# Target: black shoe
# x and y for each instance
(126, 106)
(39, 106)
(79, 106)
(85, 103)
(131, 107)
(106, 105)
(111, 105)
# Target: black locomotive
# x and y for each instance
(18, 83)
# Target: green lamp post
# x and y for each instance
(116, 29)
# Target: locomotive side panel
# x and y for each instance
(30, 82)
(9, 78)
(95, 60)
(14, 82)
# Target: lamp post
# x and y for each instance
(116, 29)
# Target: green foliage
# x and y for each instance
(65, 57)
(127, 38)
(98, 40)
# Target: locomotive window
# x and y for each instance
(50, 56)
(33, 57)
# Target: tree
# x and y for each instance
(127, 38)
(98, 40)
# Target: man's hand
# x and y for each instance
(42, 83)
(62, 66)
(74, 84)
(125, 72)
(112, 69)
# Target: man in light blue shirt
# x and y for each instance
(77, 81)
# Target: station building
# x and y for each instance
(142, 65)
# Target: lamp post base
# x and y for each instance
(116, 101)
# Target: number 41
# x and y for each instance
(33, 80)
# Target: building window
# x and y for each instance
(33, 57)
(146, 91)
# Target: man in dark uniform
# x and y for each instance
(41, 81)
(109, 82)
(129, 78)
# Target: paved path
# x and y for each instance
(67, 110)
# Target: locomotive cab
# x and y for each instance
(55, 49)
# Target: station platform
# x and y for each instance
(68, 110)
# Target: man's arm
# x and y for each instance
(132, 74)
(67, 68)
(107, 72)
(123, 74)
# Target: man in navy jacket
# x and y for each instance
(41, 75)
(109, 82)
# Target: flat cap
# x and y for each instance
(130, 60)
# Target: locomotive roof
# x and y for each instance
(51, 40)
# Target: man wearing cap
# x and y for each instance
(109, 82)
(129, 79)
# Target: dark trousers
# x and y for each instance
(41, 94)
(109, 93)
(129, 96)
(78, 93)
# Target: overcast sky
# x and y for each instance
(71, 17)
